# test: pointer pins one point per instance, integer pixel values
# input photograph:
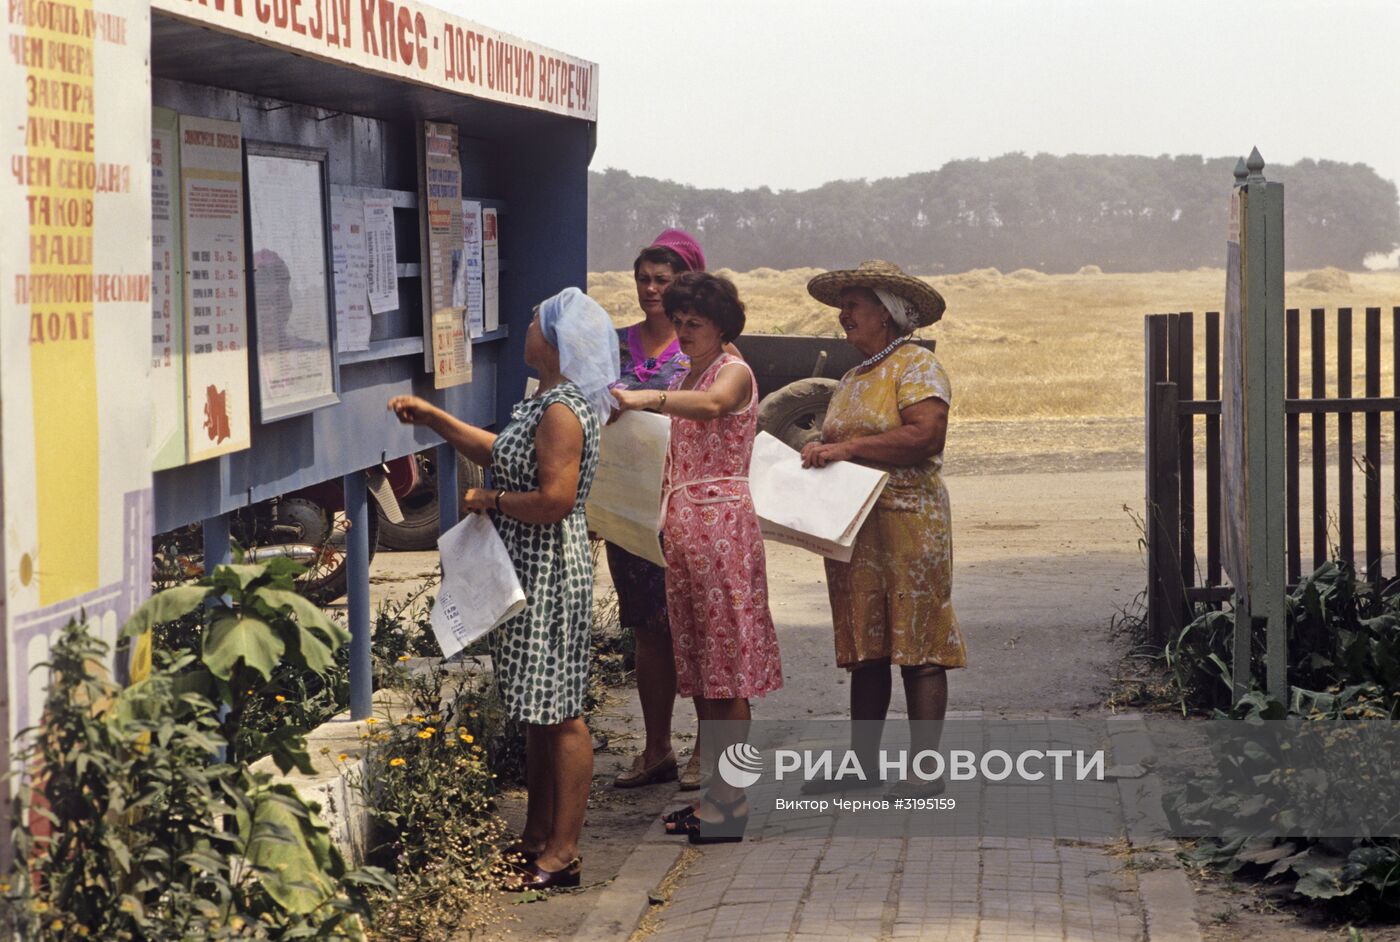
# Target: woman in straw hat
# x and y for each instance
(891, 604)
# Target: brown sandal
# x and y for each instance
(638, 775)
(693, 778)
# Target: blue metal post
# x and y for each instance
(357, 572)
(217, 552)
(449, 497)
(216, 543)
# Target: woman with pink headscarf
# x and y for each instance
(651, 357)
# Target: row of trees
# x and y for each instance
(1055, 214)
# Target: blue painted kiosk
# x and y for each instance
(394, 113)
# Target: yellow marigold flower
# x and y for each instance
(449, 741)
(40, 906)
(397, 761)
(371, 721)
(424, 734)
(4, 887)
(56, 925)
(430, 730)
(436, 717)
(342, 757)
(402, 658)
(83, 931)
(280, 699)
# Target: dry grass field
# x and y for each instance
(1046, 368)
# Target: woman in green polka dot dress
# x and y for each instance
(543, 464)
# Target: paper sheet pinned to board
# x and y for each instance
(817, 509)
(479, 586)
(626, 496)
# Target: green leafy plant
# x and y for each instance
(431, 793)
(1344, 666)
(129, 828)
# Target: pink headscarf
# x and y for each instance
(684, 245)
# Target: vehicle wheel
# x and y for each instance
(419, 530)
(326, 575)
(794, 413)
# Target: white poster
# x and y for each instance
(817, 509)
(167, 317)
(382, 257)
(471, 266)
(296, 369)
(479, 586)
(75, 333)
(216, 314)
(350, 262)
(491, 270)
(624, 504)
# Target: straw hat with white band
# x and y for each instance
(910, 301)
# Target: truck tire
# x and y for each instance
(794, 413)
(419, 530)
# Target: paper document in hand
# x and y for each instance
(479, 586)
(626, 496)
(818, 509)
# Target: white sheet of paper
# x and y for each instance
(471, 262)
(383, 276)
(817, 509)
(350, 261)
(479, 587)
(626, 496)
(491, 269)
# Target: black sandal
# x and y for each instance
(728, 831)
(677, 822)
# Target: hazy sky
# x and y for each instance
(792, 93)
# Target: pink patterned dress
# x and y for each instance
(716, 576)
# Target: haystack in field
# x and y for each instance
(1028, 275)
(1325, 279)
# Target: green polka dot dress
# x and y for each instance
(541, 656)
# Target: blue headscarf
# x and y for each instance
(576, 326)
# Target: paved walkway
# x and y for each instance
(1035, 592)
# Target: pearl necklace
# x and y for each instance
(871, 361)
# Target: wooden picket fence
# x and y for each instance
(1184, 567)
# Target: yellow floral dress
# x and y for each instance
(894, 598)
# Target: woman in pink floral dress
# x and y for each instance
(726, 650)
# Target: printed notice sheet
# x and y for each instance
(451, 347)
(625, 500)
(382, 258)
(350, 262)
(490, 270)
(296, 366)
(817, 509)
(167, 309)
(216, 313)
(479, 586)
(471, 264)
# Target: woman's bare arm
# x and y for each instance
(920, 436)
(730, 392)
(469, 440)
(559, 450)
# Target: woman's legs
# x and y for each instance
(559, 776)
(870, 701)
(926, 698)
(539, 789)
(727, 722)
(656, 688)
